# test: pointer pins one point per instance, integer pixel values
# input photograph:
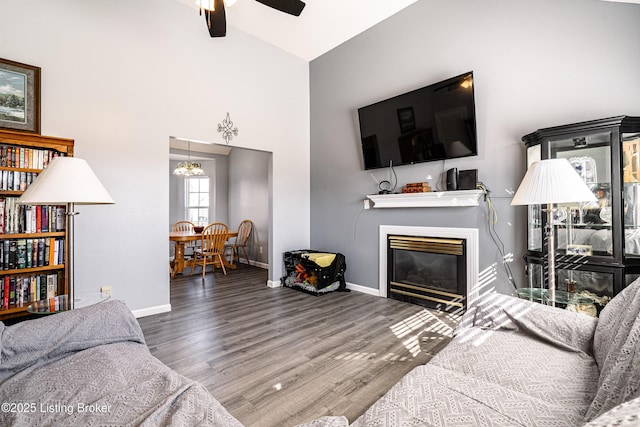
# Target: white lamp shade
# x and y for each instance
(66, 180)
(552, 181)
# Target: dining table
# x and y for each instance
(181, 238)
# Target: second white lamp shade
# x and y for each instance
(552, 181)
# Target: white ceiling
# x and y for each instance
(323, 24)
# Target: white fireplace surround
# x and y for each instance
(472, 250)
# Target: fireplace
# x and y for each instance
(429, 271)
(434, 267)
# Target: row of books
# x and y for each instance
(31, 253)
(28, 158)
(16, 180)
(17, 218)
(19, 290)
(51, 305)
(416, 187)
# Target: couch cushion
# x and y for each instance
(33, 343)
(431, 396)
(624, 415)
(522, 375)
(492, 378)
(561, 328)
(617, 351)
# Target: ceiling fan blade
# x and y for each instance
(292, 7)
(216, 20)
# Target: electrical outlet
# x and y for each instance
(260, 250)
(106, 290)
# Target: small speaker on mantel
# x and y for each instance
(452, 179)
(468, 179)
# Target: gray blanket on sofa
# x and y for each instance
(91, 367)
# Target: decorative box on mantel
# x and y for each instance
(434, 199)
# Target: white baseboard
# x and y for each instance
(274, 283)
(260, 264)
(363, 289)
(149, 311)
(255, 263)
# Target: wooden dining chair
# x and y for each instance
(183, 226)
(244, 231)
(214, 236)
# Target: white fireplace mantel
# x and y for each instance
(460, 198)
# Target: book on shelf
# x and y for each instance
(29, 255)
(13, 255)
(45, 254)
(2, 203)
(33, 290)
(416, 187)
(52, 285)
(21, 253)
(5, 254)
(6, 291)
(41, 252)
(61, 218)
(12, 290)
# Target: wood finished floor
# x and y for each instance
(280, 357)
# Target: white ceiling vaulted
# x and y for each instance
(323, 24)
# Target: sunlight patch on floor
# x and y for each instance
(412, 328)
(362, 356)
(355, 356)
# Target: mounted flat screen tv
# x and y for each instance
(435, 122)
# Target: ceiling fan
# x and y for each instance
(216, 19)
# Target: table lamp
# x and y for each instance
(549, 182)
(67, 181)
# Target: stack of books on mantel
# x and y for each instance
(416, 187)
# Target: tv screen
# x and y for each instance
(435, 122)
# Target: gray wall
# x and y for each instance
(536, 64)
(249, 197)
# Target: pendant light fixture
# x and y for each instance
(188, 168)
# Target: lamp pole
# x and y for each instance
(71, 213)
(551, 255)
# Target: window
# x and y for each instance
(197, 199)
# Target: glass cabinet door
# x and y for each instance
(584, 229)
(534, 238)
(631, 192)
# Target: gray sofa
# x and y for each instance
(511, 363)
(518, 363)
(91, 367)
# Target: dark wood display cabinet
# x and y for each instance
(597, 244)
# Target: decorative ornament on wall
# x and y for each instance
(227, 129)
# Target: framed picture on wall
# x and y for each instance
(19, 96)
